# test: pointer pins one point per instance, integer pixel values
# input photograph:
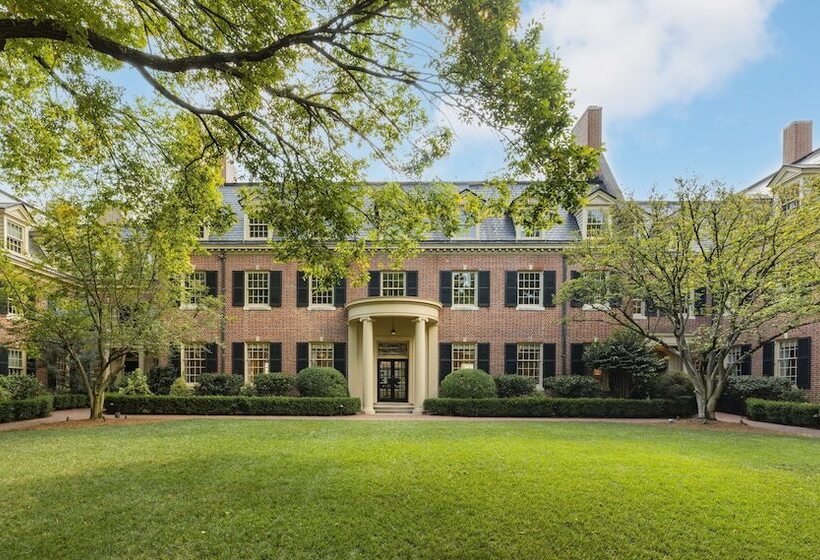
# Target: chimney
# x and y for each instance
(228, 169)
(797, 142)
(588, 129)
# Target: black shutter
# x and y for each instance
(651, 309)
(700, 302)
(768, 359)
(412, 280)
(275, 357)
(31, 366)
(445, 290)
(445, 360)
(484, 356)
(302, 356)
(302, 290)
(511, 288)
(4, 304)
(238, 358)
(548, 359)
(340, 357)
(238, 288)
(210, 358)
(575, 275)
(275, 288)
(510, 358)
(340, 293)
(746, 364)
(174, 359)
(210, 282)
(576, 359)
(548, 288)
(484, 288)
(4, 360)
(804, 363)
(374, 284)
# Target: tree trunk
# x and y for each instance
(701, 401)
(97, 404)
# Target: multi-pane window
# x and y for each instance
(257, 229)
(464, 356)
(14, 237)
(464, 288)
(194, 287)
(202, 232)
(733, 360)
(466, 231)
(319, 295)
(321, 354)
(15, 360)
(393, 283)
(529, 288)
(193, 362)
(11, 307)
(596, 221)
(523, 233)
(257, 289)
(257, 359)
(529, 361)
(787, 360)
(790, 198)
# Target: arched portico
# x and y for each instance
(393, 351)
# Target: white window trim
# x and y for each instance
(540, 379)
(205, 234)
(186, 304)
(585, 229)
(23, 360)
(521, 235)
(311, 363)
(531, 306)
(640, 312)
(777, 359)
(246, 226)
(453, 348)
(9, 313)
(320, 306)
(255, 306)
(404, 282)
(464, 306)
(23, 242)
(183, 361)
(266, 366)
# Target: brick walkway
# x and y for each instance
(79, 414)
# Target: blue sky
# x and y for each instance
(699, 87)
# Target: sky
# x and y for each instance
(688, 87)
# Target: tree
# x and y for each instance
(711, 270)
(306, 95)
(628, 359)
(107, 283)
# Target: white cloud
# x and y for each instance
(637, 56)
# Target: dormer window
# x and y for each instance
(257, 229)
(15, 240)
(596, 222)
(202, 233)
(790, 198)
(523, 233)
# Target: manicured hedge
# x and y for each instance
(740, 389)
(784, 412)
(570, 408)
(64, 401)
(261, 406)
(26, 409)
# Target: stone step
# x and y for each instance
(393, 408)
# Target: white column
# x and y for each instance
(432, 360)
(420, 377)
(367, 366)
(354, 372)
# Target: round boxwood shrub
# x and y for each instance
(4, 394)
(21, 386)
(321, 382)
(219, 384)
(514, 386)
(179, 388)
(468, 384)
(136, 384)
(275, 385)
(160, 379)
(572, 387)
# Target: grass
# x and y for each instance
(336, 489)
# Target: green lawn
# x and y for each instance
(245, 489)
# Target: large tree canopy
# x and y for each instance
(306, 95)
(705, 272)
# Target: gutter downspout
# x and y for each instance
(223, 315)
(564, 327)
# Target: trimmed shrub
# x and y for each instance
(65, 401)
(508, 386)
(160, 379)
(542, 407)
(261, 406)
(275, 385)
(26, 409)
(135, 384)
(572, 387)
(247, 391)
(218, 384)
(5, 394)
(739, 389)
(784, 412)
(468, 384)
(21, 386)
(179, 388)
(321, 382)
(671, 385)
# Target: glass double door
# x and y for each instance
(392, 379)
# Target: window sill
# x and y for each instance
(257, 308)
(321, 307)
(189, 307)
(529, 308)
(595, 307)
(465, 308)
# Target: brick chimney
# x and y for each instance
(797, 142)
(588, 129)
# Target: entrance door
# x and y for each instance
(392, 380)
